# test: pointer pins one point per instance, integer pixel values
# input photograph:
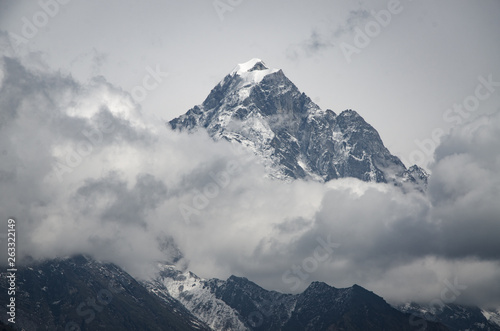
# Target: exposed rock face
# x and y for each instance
(239, 304)
(264, 111)
(80, 293)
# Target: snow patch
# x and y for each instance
(194, 293)
(492, 316)
(245, 67)
(249, 76)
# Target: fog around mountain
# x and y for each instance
(85, 171)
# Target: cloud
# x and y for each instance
(464, 189)
(84, 171)
(94, 59)
(78, 166)
(317, 43)
(385, 236)
(354, 19)
(321, 40)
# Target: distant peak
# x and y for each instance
(319, 285)
(237, 279)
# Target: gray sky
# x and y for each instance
(426, 59)
(71, 85)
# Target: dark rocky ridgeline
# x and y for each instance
(79, 293)
(455, 317)
(239, 304)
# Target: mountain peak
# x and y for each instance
(251, 72)
(237, 279)
(262, 109)
(249, 66)
(350, 112)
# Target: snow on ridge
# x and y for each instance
(492, 316)
(192, 292)
(245, 67)
(255, 76)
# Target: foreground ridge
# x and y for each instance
(239, 304)
(80, 292)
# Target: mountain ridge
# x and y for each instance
(318, 307)
(82, 293)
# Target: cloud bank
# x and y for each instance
(84, 170)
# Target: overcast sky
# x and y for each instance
(426, 59)
(72, 76)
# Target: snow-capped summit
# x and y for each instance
(252, 71)
(249, 66)
(264, 111)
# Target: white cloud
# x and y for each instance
(123, 197)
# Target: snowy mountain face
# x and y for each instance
(263, 110)
(195, 294)
(492, 315)
(456, 317)
(239, 304)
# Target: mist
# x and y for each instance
(84, 170)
